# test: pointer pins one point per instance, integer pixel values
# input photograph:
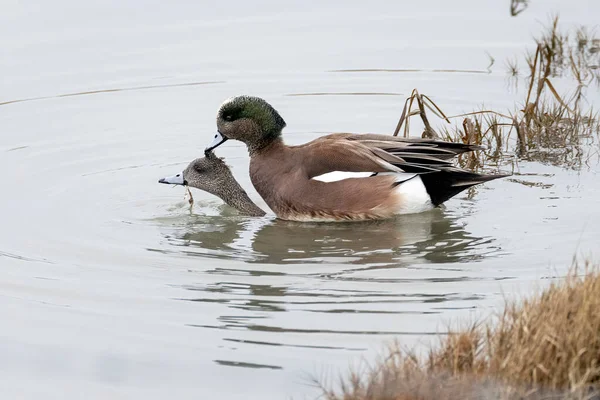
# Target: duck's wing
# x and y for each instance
(401, 146)
(337, 153)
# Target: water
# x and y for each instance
(111, 287)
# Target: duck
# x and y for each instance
(342, 176)
(211, 174)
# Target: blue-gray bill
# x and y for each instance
(217, 141)
(174, 180)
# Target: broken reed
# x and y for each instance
(548, 127)
(546, 346)
(518, 6)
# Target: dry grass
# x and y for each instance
(546, 126)
(543, 347)
(518, 6)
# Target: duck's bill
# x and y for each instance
(174, 180)
(217, 141)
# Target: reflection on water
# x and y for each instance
(434, 237)
(332, 273)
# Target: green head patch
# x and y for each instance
(254, 108)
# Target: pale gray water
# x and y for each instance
(111, 288)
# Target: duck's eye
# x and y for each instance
(228, 117)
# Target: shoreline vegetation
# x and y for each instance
(545, 346)
(544, 126)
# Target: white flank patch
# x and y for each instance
(340, 175)
(414, 197)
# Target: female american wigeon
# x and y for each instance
(342, 176)
(211, 174)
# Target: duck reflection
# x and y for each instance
(434, 237)
(336, 287)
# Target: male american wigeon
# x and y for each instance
(342, 176)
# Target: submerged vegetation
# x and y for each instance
(545, 126)
(543, 347)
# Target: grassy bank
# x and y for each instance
(546, 346)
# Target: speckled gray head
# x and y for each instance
(248, 119)
(211, 174)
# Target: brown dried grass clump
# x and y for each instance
(543, 347)
(546, 126)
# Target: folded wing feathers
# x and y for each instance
(394, 154)
(414, 165)
(393, 147)
(387, 141)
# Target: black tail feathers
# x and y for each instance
(448, 182)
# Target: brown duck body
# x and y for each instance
(300, 198)
(397, 175)
(284, 176)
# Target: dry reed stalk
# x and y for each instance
(518, 6)
(423, 102)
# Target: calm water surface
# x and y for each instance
(112, 287)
